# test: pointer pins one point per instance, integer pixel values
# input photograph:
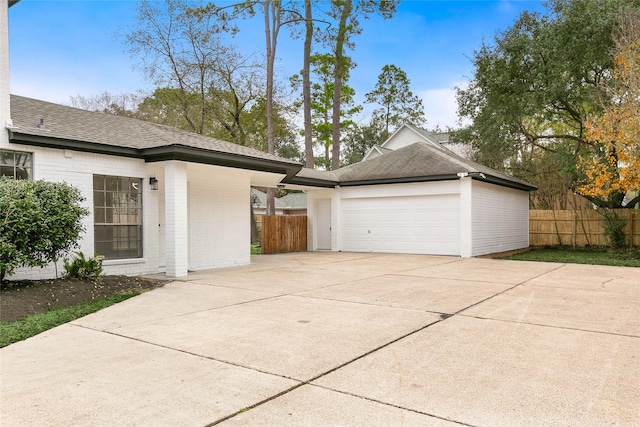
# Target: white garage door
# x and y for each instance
(415, 225)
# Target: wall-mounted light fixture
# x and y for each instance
(153, 183)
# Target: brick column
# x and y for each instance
(176, 219)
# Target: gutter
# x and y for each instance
(163, 153)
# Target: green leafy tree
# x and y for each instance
(397, 104)
(322, 104)
(536, 85)
(40, 222)
(347, 14)
(613, 176)
(359, 140)
(285, 141)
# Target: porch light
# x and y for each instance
(153, 183)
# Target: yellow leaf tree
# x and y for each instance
(612, 176)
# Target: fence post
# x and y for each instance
(573, 230)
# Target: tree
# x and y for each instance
(359, 140)
(398, 105)
(276, 15)
(535, 86)
(199, 76)
(347, 13)
(306, 84)
(322, 104)
(283, 129)
(614, 172)
(124, 104)
(27, 210)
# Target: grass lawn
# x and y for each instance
(29, 326)
(587, 255)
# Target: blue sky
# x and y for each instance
(66, 48)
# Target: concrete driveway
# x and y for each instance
(316, 339)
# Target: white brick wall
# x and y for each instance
(77, 169)
(210, 228)
(219, 217)
(176, 219)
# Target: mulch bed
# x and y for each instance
(25, 298)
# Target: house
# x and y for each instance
(161, 199)
(165, 200)
(417, 198)
(289, 204)
(408, 134)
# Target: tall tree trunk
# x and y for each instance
(337, 90)
(306, 85)
(272, 12)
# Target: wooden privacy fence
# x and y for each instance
(578, 227)
(283, 233)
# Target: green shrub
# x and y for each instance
(40, 222)
(84, 268)
(614, 229)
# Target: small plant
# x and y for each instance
(84, 268)
(614, 229)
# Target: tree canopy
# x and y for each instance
(614, 171)
(536, 86)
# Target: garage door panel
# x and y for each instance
(424, 225)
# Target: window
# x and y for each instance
(15, 164)
(117, 211)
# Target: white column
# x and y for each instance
(176, 219)
(5, 113)
(466, 217)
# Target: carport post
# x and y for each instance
(176, 219)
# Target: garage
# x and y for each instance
(409, 224)
(417, 199)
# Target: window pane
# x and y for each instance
(98, 183)
(23, 159)
(23, 173)
(6, 157)
(99, 214)
(123, 185)
(7, 171)
(109, 216)
(98, 198)
(110, 199)
(112, 183)
(99, 233)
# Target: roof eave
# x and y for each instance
(163, 153)
(503, 182)
(310, 182)
(399, 180)
(68, 144)
(217, 158)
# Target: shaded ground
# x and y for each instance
(24, 298)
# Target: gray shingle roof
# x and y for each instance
(68, 123)
(414, 163)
